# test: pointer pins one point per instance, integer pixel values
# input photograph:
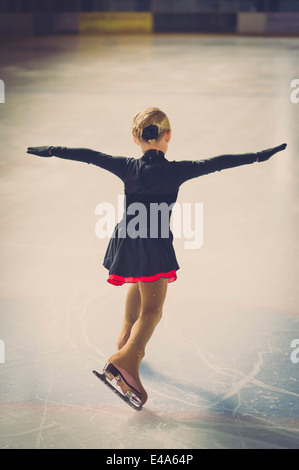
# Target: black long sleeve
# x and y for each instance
(116, 165)
(186, 169)
(189, 169)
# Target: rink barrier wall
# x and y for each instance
(116, 23)
(252, 23)
(20, 24)
(249, 23)
(195, 23)
(282, 23)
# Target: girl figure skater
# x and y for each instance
(147, 262)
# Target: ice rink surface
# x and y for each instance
(221, 370)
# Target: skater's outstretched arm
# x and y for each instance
(188, 169)
(116, 165)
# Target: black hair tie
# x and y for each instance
(150, 132)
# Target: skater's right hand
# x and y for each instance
(40, 151)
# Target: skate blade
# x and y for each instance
(130, 398)
(117, 379)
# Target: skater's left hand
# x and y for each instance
(40, 151)
(266, 154)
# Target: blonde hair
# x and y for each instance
(147, 117)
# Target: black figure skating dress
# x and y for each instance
(142, 249)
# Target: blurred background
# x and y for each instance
(159, 16)
(218, 371)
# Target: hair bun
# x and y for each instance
(150, 132)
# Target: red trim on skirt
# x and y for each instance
(120, 280)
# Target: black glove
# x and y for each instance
(266, 154)
(40, 151)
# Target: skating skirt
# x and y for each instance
(140, 259)
(120, 280)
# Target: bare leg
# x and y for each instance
(129, 357)
(132, 312)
